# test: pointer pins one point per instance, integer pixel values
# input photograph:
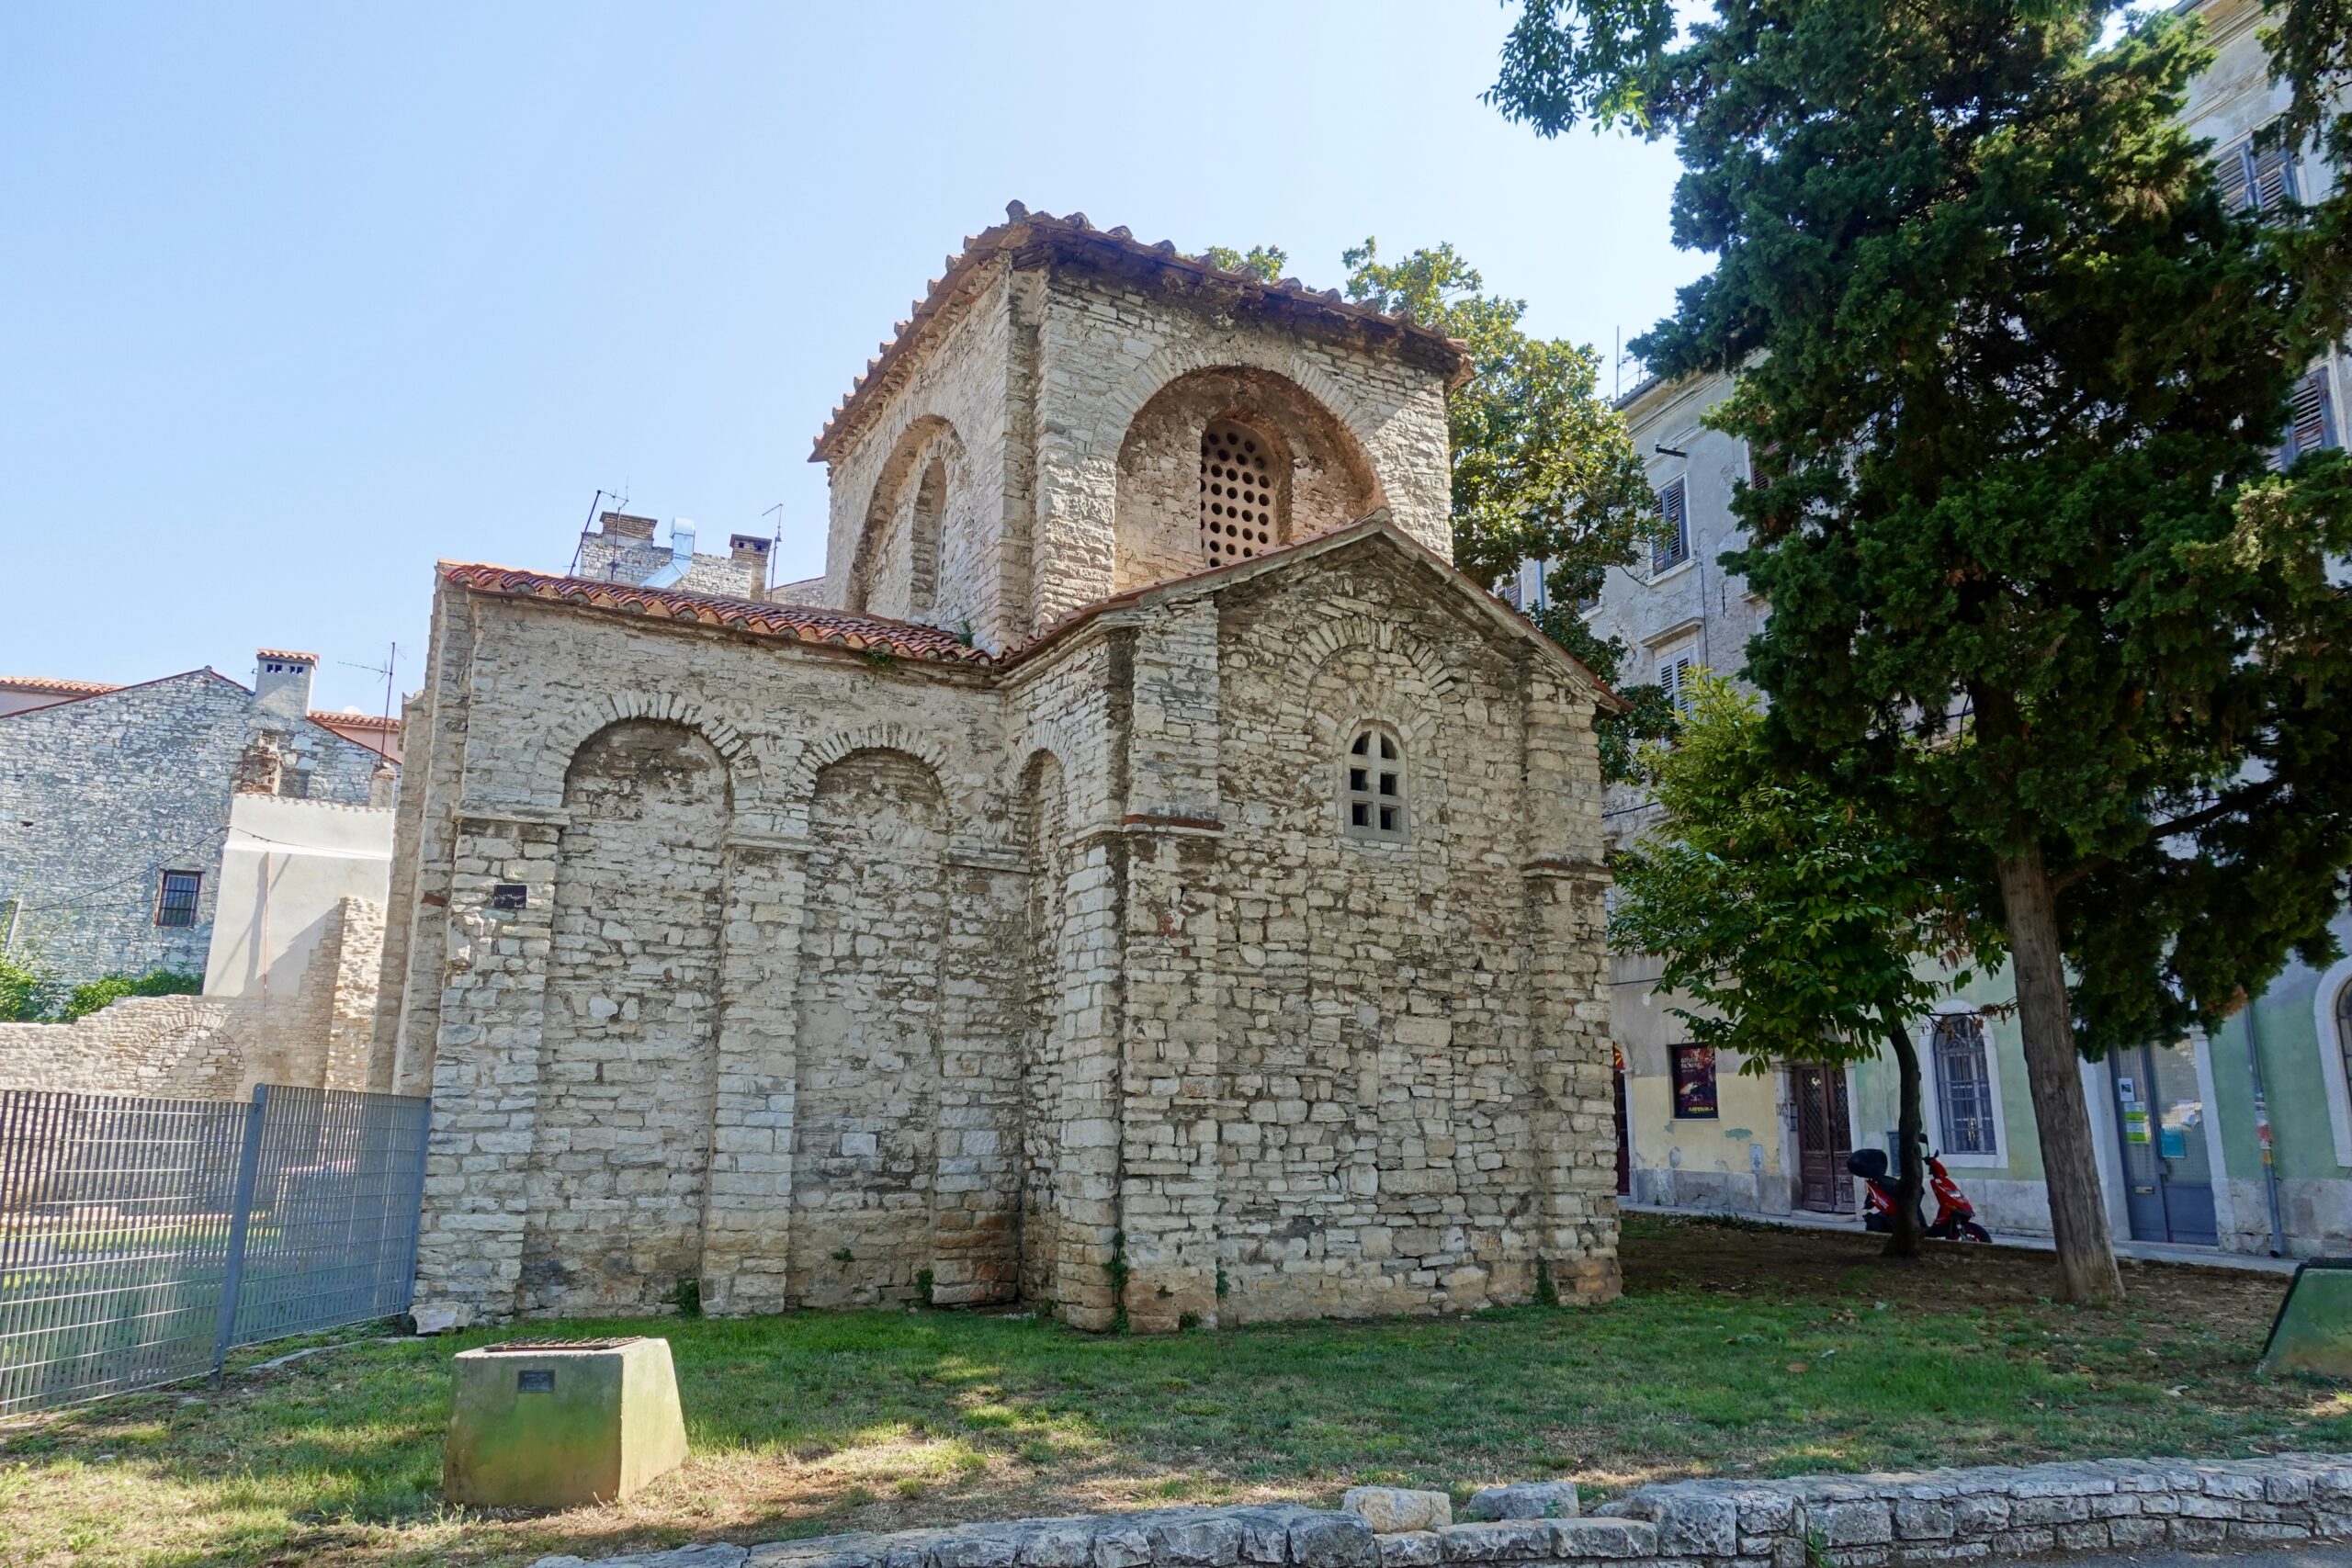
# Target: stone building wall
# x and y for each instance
(101, 796)
(219, 1047)
(1034, 371)
(1007, 977)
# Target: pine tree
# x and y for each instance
(2016, 380)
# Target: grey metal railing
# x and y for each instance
(141, 1239)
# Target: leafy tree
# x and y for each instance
(25, 989)
(2015, 379)
(1263, 262)
(1795, 915)
(108, 989)
(1542, 467)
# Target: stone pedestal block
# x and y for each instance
(553, 1425)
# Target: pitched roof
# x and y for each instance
(1378, 525)
(49, 687)
(798, 622)
(355, 720)
(1074, 235)
(910, 639)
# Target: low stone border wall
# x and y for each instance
(1845, 1521)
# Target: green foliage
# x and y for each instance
(1264, 261)
(25, 989)
(686, 1296)
(89, 997)
(2015, 378)
(1796, 918)
(1543, 469)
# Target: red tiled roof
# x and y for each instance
(1023, 228)
(800, 622)
(285, 653)
(354, 720)
(55, 688)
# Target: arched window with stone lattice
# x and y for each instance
(1242, 506)
(1371, 784)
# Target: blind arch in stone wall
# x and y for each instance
(865, 1164)
(1322, 477)
(918, 516)
(621, 1162)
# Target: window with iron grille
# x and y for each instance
(1239, 508)
(176, 899)
(1372, 792)
(2310, 419)
(1672, 546)
(1963, 1085)
(1694, 1082)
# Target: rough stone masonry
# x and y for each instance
(1988, 1513)
(1153, 883)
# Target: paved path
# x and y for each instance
(2252, 1557)
(2142, 1251)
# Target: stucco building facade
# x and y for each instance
(2181, 1127)
(1143, 878)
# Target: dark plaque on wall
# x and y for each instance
(509, 895)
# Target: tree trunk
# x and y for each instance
(1911, 1168)
(2087, 1271)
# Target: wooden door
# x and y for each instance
(1824, 1139)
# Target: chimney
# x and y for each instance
(282, 683)
(752, 555)
(620, 524)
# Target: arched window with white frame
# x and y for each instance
(1371, 784)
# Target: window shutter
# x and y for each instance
(1676, 671)
(2310, 418)
(2274, 177)
(1674, 545)
(2234, 170)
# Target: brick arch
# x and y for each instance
(562, 734)
(796, 785)
(1316, 467)
(1187, 356)
(1327, 639)
(926, 437)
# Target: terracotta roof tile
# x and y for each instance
(354, 720)
(1023, 228)
(798, 622)
(285, 653)
(49, 686)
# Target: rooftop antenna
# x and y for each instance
(1617, 355)
(776, 545)
(392, 663)
(620, 498)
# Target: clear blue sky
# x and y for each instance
(296, 299)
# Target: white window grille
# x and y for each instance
(1963, 1085)
(1238, 506)
(1372, 792)
(1672, 546)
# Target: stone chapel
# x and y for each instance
(1145, 879)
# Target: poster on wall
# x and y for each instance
(1694, 1080)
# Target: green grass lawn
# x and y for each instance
(1735, 1350)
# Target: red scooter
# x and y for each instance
(1955, 1215)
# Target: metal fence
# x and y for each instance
(140, 1239)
